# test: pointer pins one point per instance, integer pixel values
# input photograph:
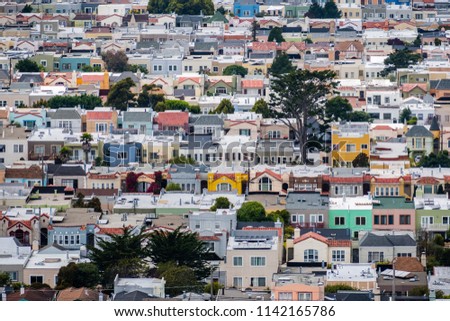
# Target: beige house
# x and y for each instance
(313, 247)
(103, 180)
(197, 63)
(243, 127)
(266, 181)
(252, 259)
(43, 265)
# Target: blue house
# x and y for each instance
(399, 2)
(29, 119)
(245, 8)
(74, 229)
(121, 150)
(139, 119)
(74, 62)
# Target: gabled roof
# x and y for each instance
(389, 240)
(409, 87)
(408, 264)
(80, 294)
(320, 238)
(264, 46)
(136, 116)
(252, 83)
(99, 115)
(131, 296)
(418, 131)
(206, 120)
(65, 170)
(345, 45)
(217, 17)
(268, 172)
(172, 118)
(33, 172)
(66, 113)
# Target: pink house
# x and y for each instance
(393, 213)
(298, 292)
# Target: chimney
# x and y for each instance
(12, 129)
(100, 296)
(67, 255)
(278, 224)
(35, 245)
(22, 290)
(296, 233)
(423, 259)
(343, 197)
(3, 133)
(4, 295)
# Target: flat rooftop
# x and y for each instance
(352, 272)
(76, 217)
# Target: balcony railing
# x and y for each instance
(437, 227)
(308, 225)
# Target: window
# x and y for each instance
(122, 155)
(48, 27)
(446, 220)
(257, 281)
(338, 255)
(2, 148)
(237, 260)
(237, 282)
(316, 218)
(258, 261)
(3, 103)
(265, 184)
(244, 132)
(304, 296)
(360, 220)
(390, 219)
(339, 220)
(363, 146)
(13, 276)
(285, 296)
(310, 255)
(39, 149)
(67, 183)
(351, 148)
(101, 127)
(221, 90)
(376, 256)
(405, 219)
(274, 134)
(36, 279)
(426, 220)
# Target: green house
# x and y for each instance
(432, 216)
(354, 213)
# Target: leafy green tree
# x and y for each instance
(78, 276)
(89, 68)
(315, 11)
(399, 59)
(339, 287)
(276, 34)
(115, 61)
(331, 11)
(283, 215)
(405, 115)
(308, 40)
(216, 287)
(300, 95)
(361, 160)
(86, 140)
(135, 68)
(183, 248)
(252, 212)
(179, 278)
(359, 116)
(149, 98)
(418, 41)
(281, 65)
(225, 107)
(222, 10)
(337, 109)
(4, 278)
(412, 121)
(437, 42)
(87, 102)
(235, 70)
(27, 9)
(174, 104)
(95, 203)
(173, 187)
(183, 7)
(27, 65)
(221, 203)
(120, 94)
(122, 254)
(64, 154)
(261, 107)
(182, 160)
(432, 160)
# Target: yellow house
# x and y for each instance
(349, 140)
(226, 182)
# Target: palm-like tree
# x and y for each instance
(182, 248)
(122, 254)
(86, 140)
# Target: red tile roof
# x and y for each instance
(33, 172)
(172, 118)
(346, 180)
(263, 228)
(408, 264)
(428, 181)
(209, 238)
(252, 83)
(284, 46)
(270, 173)
(408, 87)
(231, 176)
(194, 79)
(264, 46)
(99, 115)
(383, 127)
(110, 230)
(320, 238)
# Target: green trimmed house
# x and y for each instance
(217, 20)
(432, 216)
